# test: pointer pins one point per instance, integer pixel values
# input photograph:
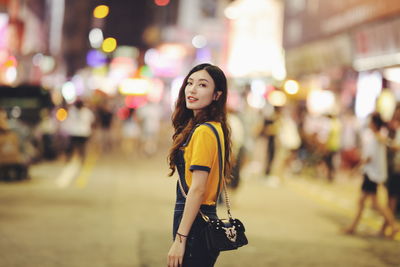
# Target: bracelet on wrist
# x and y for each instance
(180, 236)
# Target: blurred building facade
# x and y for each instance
(348, 47)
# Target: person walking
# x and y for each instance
(375, 172)
(393, 182)
(79, 128)
(201, 106)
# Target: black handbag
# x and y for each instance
(221, 234)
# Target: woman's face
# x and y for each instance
(200, 91)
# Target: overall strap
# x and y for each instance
(190, 135)
(182, 182)
(219, 156)
(221, 177)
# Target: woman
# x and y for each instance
(393, 181)
(194, 153)
(375, 173)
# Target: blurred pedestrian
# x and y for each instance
(105, 116)
(194, 154)
(149, 117)
(130, 134)
(47, 130)
(269, 131)
(78, 125)
(350, 154)
(332, 145)
(288, 142)
(375, 173)
(238, 147)
(393, 182)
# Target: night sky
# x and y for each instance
(127, 20)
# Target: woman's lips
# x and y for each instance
(191, 99)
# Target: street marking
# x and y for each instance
(68, 173)
(87, 170)
(324, 197)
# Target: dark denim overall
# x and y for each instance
(196, 252)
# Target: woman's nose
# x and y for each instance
(192, 88)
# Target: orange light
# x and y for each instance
(10, 62)
(161, 2)
(61, 114)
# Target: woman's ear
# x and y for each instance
(217, 95)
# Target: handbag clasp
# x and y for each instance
(230, 233)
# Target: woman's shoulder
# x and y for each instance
(204, 128)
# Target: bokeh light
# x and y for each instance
(11, 75)
(95, 58)
(199, 41)
(161, 2)
(61, 114)
(277, 98)
(16, 112)
(291, 87)
(109, 45)
(96, 37)
(101, 11)
(69, 92)
(321, 102)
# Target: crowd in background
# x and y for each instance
(295, 142)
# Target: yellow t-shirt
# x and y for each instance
(201, 153)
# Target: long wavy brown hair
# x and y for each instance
(183, 119)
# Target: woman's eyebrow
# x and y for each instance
(200, 80)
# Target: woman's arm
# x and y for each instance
(193, 202)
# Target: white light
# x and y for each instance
(37, 59)
(16, 112)
(320, 102)
(279, 73)
(96, 38)
(369, 86)
(151, 56)
(277, 98)
(11, 75)
(47, 64)
(291, 87)
(175, 87)
(199, 41)
(231, 12)
(392, 74)
(256, 29)
(255, 101)
(69, 92)
(134, 86)
(258, 87)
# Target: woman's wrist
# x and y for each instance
(181, 237)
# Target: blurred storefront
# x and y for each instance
(29, 47)
(351, 48)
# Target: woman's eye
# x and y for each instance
(203, 85)
(189, 83)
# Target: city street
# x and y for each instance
(118, 212)
(95, 95)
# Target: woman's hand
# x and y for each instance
(176, 252)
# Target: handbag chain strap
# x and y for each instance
(221, 177)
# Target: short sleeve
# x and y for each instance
(204, 149)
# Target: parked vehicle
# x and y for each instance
(20, 109)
